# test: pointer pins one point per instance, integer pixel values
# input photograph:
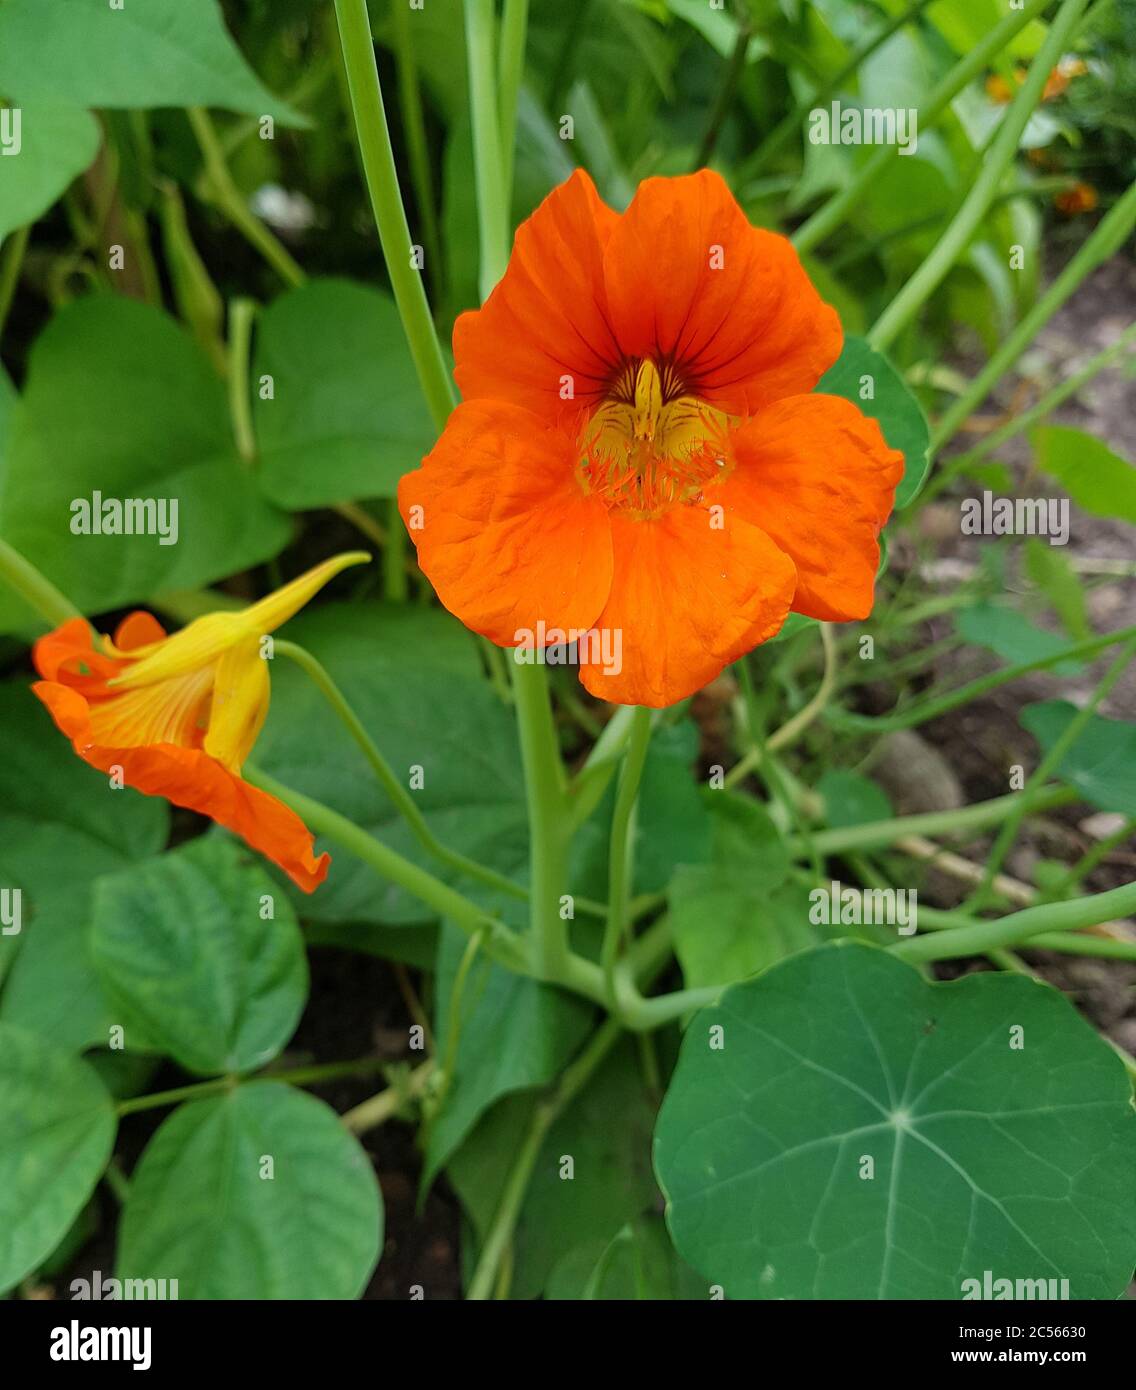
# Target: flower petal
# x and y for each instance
(189, 777)
(687, 599)
(240, 703)
(818, 476)
(504, 530)
(690, 281)
(547, 318)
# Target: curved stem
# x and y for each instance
(404, 803)
(792, 728)
(501, 944)
(1019, 928)
(232, 202)
(995, 160)
(37, 591)
(414, 125)
(297, 1076)
(386, 201)
(621, 851)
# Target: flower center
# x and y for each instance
(650, 445)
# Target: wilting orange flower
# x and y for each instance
(179, 715)
(1082, 197)
(638, 450)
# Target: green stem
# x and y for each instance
(501, 944)
(396, 580)
(414, 125)
(1019, 928)
(729, 84)
(828, 217)
(794, 727)
(549, 824)
(386, 201)
(492, 211)
(400, 796)
(241, 315)
(923, 710)
(510, 67)
(880, 834)
(1069, 943)
(11, 262)
(232, 202)
(38, 592)
(995, 159)
(376, 1110)
(500, 1233)
(1106, 240)
(1092, 857)
(1049, 764)
(621, 852)
(1045, 406)
(298, 1076)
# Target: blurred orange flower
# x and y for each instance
(179, 715)
(1056, 84)
(1082, 197)
(638, 450)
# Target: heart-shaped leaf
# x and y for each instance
(203, 952)
(260, 1193)
(1102, 761)
(56, 144)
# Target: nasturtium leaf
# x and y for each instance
(638, 1264)
(57, 1126)
(56, 811)
(414, 678)
(346, 417)
(839, 1127)
(145, 53)
(1011, 636)
(259, 1193)
(1095, 478)
(611, 1181)
(860, 368)
(514, 1033)
(203, 951)
(56, 144)
(724, 915)
(120, 404)
(850, 798)
(1101, 764)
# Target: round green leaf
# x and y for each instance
(854, 1131)
(56, 144)
(260, 1193)
(346, 418)
(188, 953)
(57, 1126)
(1102, 761)
(860, 368)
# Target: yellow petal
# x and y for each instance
(240, 703)
(206, 638)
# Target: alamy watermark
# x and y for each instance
(841, 906)
(1016, 516)
(11, 130)
(869, 125)
(126, 516)
(990, 1287)
(573, 646)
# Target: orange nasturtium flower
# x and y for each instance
(1082, 197)
(637, 450)
(179, 715)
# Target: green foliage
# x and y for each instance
(840, 1128)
